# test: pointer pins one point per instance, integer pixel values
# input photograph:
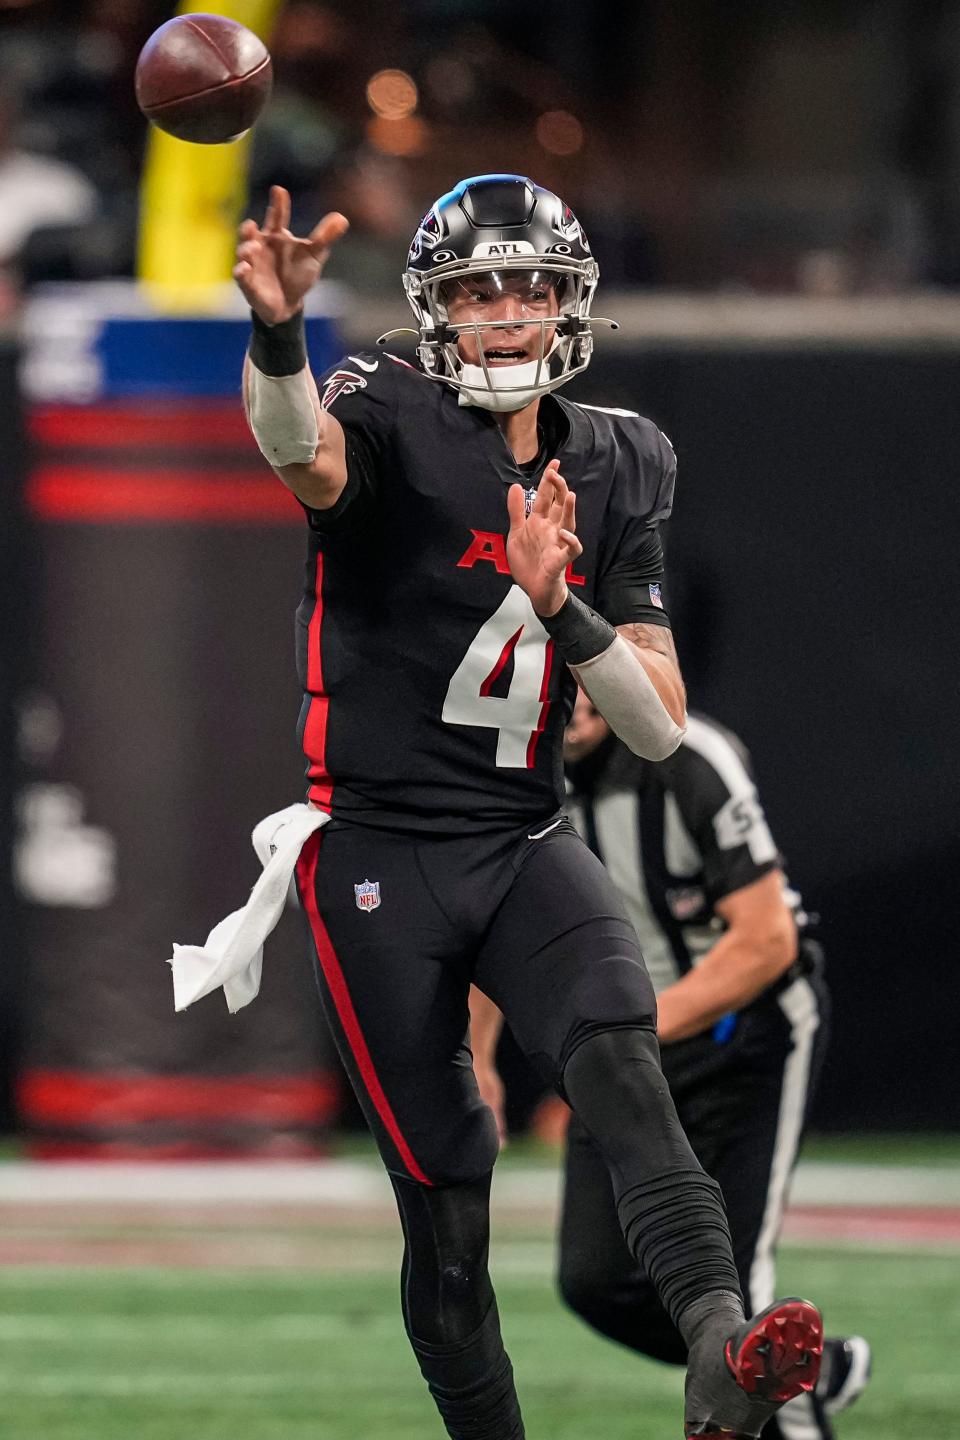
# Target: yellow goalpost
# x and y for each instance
(191, 196)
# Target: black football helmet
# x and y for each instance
(491, 224)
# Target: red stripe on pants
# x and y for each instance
(333, 974)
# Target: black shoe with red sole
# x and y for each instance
(776, 1355)
(772, 1357)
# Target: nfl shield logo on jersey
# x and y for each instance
(655, 597)
(528, 498)
(367, 895)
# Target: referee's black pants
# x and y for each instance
(743, 1105)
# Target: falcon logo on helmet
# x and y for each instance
(483, 227)
(571, 229)
(429, 234)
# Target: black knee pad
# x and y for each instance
(615, 1084)
(615, 1071)
(617, 1042)
(446, 1284)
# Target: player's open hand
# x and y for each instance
(275, 268)
(542, 544)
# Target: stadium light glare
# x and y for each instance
(559, 132)
(392, 94)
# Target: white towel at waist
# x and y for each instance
(232, 955)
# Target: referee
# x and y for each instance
(742, 1022)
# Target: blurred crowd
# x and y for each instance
(811, 146)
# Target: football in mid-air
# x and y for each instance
(203, 78)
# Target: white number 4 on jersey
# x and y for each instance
(518, 717)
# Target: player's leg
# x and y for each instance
(742, 1105)
(721, 1113)
(748, 1115)
(602, 1283)
(597, 1276)
(395, 992)
(450, 1310)
(562, 962)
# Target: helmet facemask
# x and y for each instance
(565, 337)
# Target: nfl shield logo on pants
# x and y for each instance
(367, 894)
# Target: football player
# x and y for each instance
(476, 546)
(742, 1024)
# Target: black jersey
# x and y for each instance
(676, 837)
(432, 695)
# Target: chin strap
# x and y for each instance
(479, 386)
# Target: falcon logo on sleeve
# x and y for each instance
(341, 382)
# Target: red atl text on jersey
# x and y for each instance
(487, 545)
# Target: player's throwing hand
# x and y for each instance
(542, 544)
(275, 268)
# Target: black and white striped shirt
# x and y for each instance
(676, 837)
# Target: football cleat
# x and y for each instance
(777, 1354)
(846, 1370)
(767, 1361)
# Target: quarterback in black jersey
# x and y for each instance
(477, 546)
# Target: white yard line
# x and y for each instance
(338, 1182)
(818, 1183)
(326, 1182)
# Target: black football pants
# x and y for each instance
(535, 922)
(402, 925)
(743, 1106)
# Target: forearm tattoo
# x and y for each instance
(652, 637)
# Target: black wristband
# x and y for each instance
(279, 349)
(580, 634)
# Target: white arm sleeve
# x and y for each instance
(627, 699)
(282, 416)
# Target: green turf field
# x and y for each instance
(156, 1354)
(114, 1326)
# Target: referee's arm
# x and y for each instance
(712, 783)
(759, 944)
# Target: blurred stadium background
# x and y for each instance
(774, 196)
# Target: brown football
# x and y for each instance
(203, 78)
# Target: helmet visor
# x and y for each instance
(502, 295)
